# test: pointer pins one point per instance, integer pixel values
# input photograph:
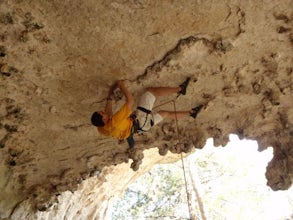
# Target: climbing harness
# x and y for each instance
(147, 112)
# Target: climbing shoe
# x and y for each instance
(184, 87)
(195, 111)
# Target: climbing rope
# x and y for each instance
(182, 160)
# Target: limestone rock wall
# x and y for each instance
(58, 59)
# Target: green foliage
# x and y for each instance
(156, 195)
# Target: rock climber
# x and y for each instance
(124, 123)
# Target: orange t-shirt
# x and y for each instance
(119, 126)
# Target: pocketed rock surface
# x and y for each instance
(58, 59)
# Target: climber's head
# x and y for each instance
(99, 119)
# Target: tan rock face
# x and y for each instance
(58, 59)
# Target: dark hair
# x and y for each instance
(97, 120)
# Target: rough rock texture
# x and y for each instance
(58, 59)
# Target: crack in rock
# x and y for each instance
(186, 42)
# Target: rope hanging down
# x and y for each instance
(182, 161)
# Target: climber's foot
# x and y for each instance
(184, 86)
(196, 110)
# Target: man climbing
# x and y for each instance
(124, 123)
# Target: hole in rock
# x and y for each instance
(230, 184)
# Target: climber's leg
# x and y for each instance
(181, 114)
(174, 115)
(162, 91)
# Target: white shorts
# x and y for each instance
(146, 121)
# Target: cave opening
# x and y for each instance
(222, 183)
